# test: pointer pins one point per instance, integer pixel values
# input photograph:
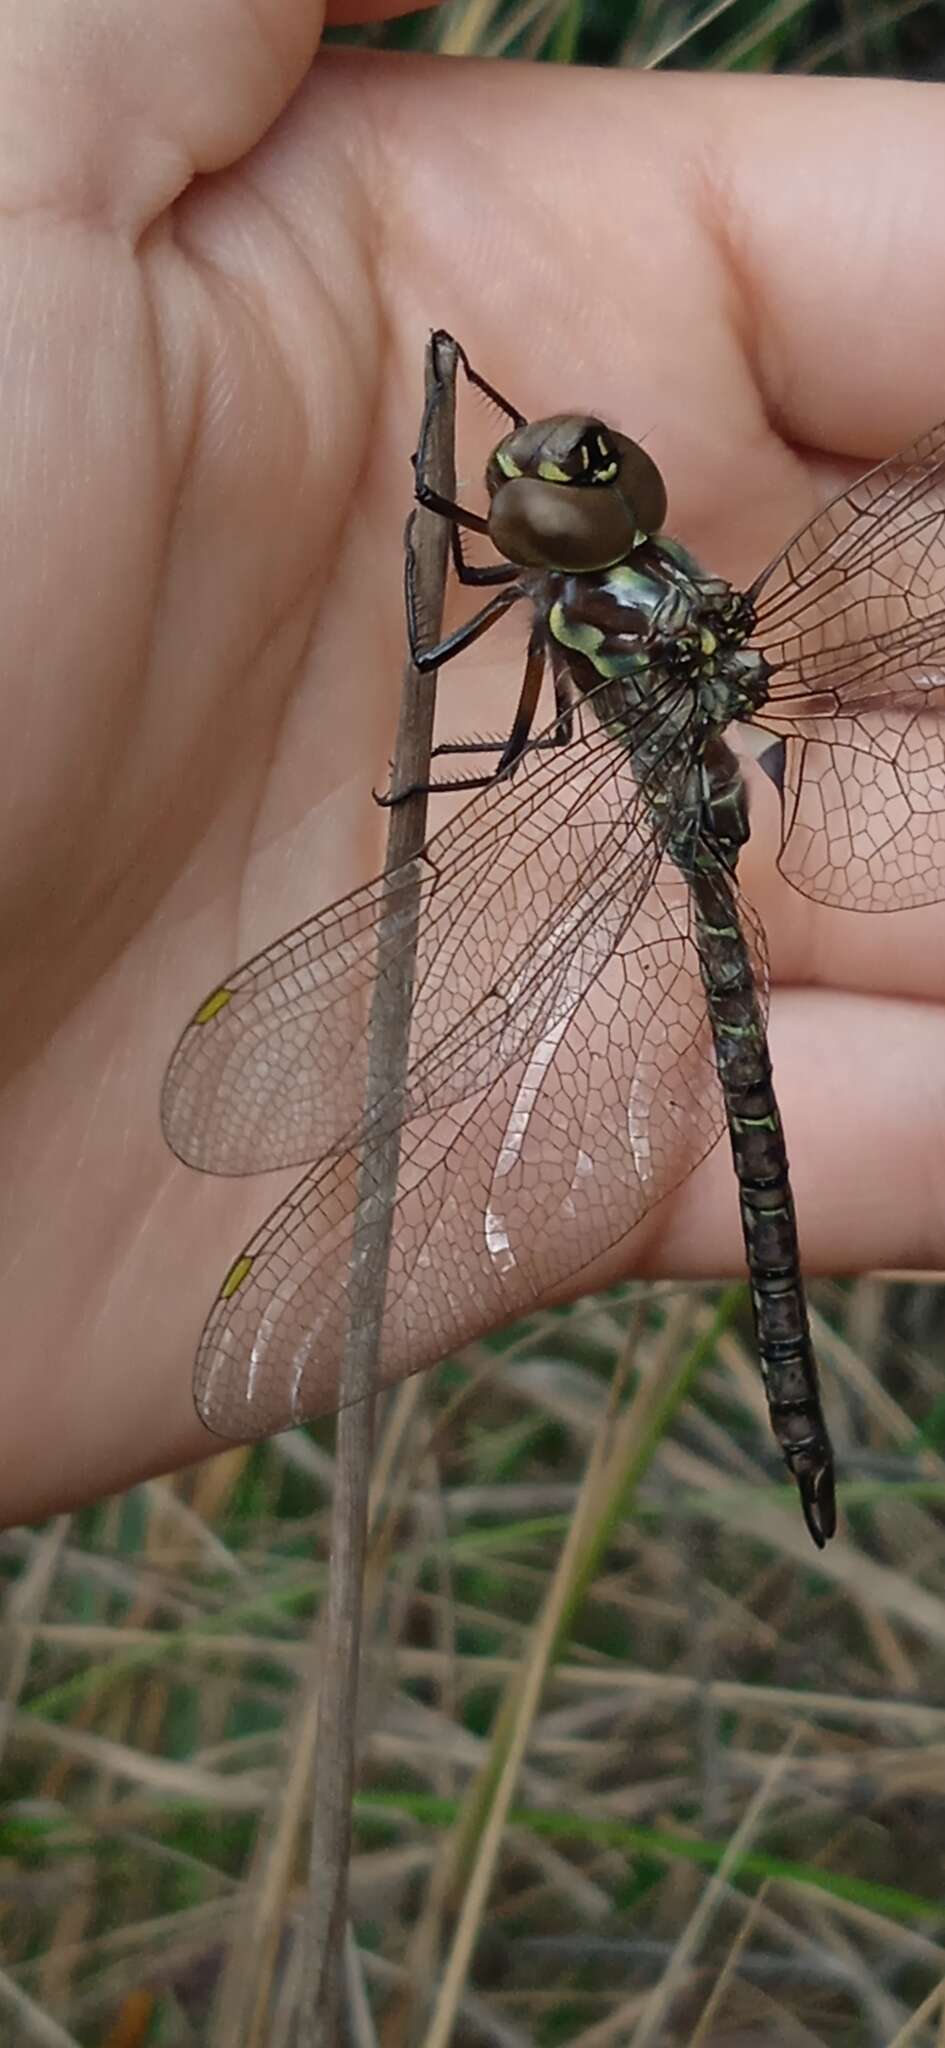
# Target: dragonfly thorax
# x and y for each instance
(656, 624)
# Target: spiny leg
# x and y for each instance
(548, 744)
(473, 572)
(505, 573)
(458, 515)
(527, 707)
(434, 501)
(472, 377)
(426, 658)
(522, 723)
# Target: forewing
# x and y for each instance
(608, 1106)
(501, 906)
(851, 619)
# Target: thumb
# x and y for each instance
(108, 110)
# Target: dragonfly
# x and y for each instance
(589, 984)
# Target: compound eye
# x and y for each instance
(641, 484)
(532, 520)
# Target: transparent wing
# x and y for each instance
(851, 619)
(505, 907)
(550, 1160)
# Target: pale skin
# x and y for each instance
(214, 311)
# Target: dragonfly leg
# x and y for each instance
(442, 786)
(514, 747)
(458, 515)
(434, 501)
(549, 743)
(527, 706)
(427, 658)
(510, 751)
(468, 747)
(472, 377)
(561, 734)
(473, 572)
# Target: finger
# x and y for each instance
(109, 109)
(829, 203)
(807, 260)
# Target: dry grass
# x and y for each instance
(640, 1766)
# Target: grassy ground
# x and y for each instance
(729, 1816)
(640, 1766)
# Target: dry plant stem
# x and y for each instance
(621, 1453)
(390, 1038)
(910, 2035)
(242, 2006)
(38, 2028)
(727, 1977)
(487, 1808)
(653, 2019)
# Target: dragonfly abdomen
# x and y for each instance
(766, 1204)
(785, 1350)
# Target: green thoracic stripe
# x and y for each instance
(574, 633)
(587, 640)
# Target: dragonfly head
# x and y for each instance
(569, 493)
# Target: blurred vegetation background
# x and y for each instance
(639, 1765)
(905, 39)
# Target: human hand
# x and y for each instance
(210, 398)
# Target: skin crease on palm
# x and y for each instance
(214, 311)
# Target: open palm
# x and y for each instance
(210, 395)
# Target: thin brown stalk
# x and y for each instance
(654, 2016)
(472, 1856)
(335, 1753)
